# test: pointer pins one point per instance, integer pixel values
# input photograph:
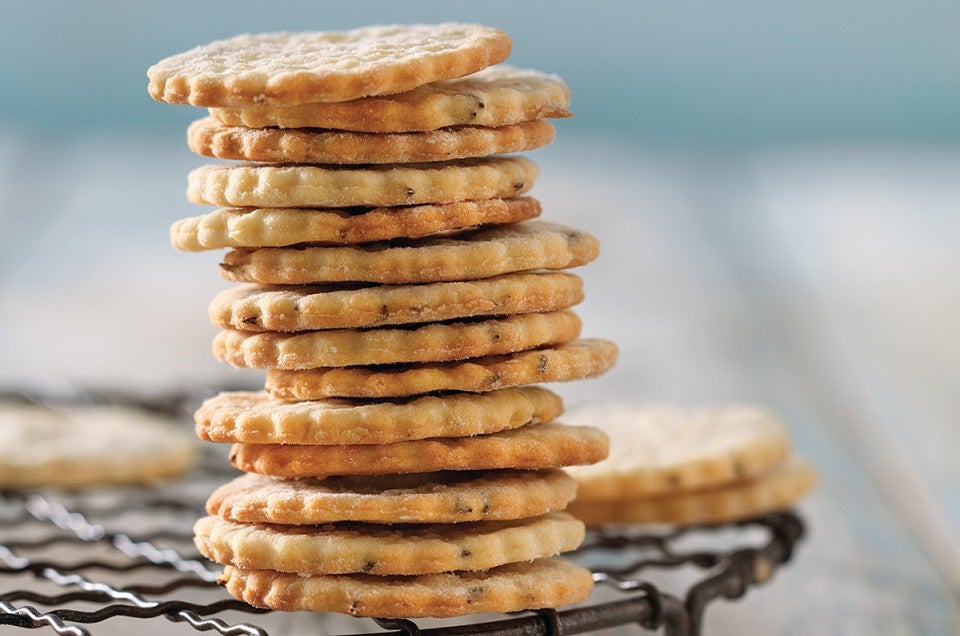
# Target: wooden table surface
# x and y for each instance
(821, 281)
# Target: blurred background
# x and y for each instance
(775, 186)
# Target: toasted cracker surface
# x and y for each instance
(242, 416)
(550, 445)
(306, 185)
(574, 360)
(389, 345)
(348, 548)
(776, 490)
(275, 308)
(548, 582)
(279, 227)
(296, 68)
(496, 96)
(470, 255)
(75, 446)
(211, 138)
(447, 497)
(664, 448)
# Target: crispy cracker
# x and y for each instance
(350, 548)
(574, 360)
(450, 497)
(776, 490)
(76, 446)
(270, 308)
(305, 185)
(431, 342)
(211, 138)
(296, 68)
(661, 449)
(462, 256)
(548, 582)
(279, 227)
(241, 416)
(496, 96)
(550, 445)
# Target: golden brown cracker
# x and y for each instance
(211, 138)
(574, 360)
(447, 497)
(257, 418)
(551, 445)
(275, 308)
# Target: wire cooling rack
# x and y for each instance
(110, 556)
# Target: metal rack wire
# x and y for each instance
(70, 560)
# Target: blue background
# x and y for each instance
(741, 72)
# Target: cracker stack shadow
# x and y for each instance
(404, 301)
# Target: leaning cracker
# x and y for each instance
(304, 185)
(571, 361)
(296, 68)
(666, 449)
(279, 227)
(257, 418)
(76, 446)
(496, 96)
(463, 256)
(528, 448)
(547, 582)
(450, 497)
(774, 491)
(263, 308)
(421, 343)
(351, 548)
(211, 138)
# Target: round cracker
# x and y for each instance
(318, 186)
(551, 445)
(548, 582)
(296, 68)
(76, 446)
(257, 418)
(275, 308)
(211, 138)
(469, 255)
(659, 449)
(280, 227)
(574, 360)
(447, 497)
(420, 343)
(777, 490)
(497, 96)
(405, 549)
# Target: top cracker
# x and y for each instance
(297, 68)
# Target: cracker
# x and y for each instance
(548, 582)
(574, 360)
(351, 548)
(279, 227)
(463, 256)
(266, 308)
(211, 138)
(496, 96)
(530, 448)
(662, 449)
(76, 446)
(257, 418)
(305, 185)
(419, 343)
(296, 68)
(777, 490)
(450, 497)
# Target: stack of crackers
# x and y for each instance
(683, 465)
(404, 301)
